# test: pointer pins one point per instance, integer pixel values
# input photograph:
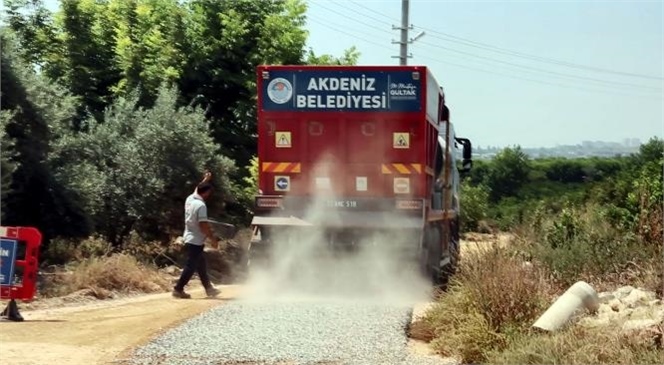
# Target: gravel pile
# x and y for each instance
(288, 332)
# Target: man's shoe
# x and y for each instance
(180, 294)
(212, 292)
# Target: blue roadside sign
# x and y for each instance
(7, 261)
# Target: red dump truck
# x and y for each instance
(352, 151)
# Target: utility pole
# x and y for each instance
(403, 53)
(403, 43)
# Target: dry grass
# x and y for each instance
(119, 273)
(492, 296)
(460, 330)
(578, 346)
(485, 317)
(507, 291)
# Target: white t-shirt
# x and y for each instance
(195, 212)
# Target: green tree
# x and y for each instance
(566, 171)
(210, 49)
(649, 152)
(33, 111)
(474, 205)
(508, 173)
(479, 174)
(81, 56)
(349, 58)
(225, 43)
(149, 39)
(33, 26)
(133, 170)
(8, 162)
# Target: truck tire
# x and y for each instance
(433, 255)
(423, 259)
(450, 262)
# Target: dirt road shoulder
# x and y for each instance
(100, 333)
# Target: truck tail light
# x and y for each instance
(409, 204)
(268, 202)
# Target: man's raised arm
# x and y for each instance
(206, 178)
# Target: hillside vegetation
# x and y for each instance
(596, 220)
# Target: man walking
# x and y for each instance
(196, 230)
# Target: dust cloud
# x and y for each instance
(381, 266)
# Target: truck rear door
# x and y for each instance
(342, 131)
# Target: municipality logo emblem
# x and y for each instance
(280, 90)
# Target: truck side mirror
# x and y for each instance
(467, 162)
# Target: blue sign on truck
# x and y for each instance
(342, 91)
(7, 260)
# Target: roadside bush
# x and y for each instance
(474, 205)
(62, 251)
(133, 171)
(507, 291)
(455, 327)
(492, 296)
(581, 244)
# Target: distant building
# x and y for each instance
(583, 149)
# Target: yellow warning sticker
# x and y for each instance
(283, 139)
(401, 140)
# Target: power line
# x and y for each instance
(566, 86)
(505, 51)
(617, 83)
(325, 24)
(564, 75)
(468, 42)
(354, 19)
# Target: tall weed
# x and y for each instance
(493, 295)
(504, 289)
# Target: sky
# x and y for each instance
(499, 98)
(532, 73)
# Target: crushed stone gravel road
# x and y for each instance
(288, 332)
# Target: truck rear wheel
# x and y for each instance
(431, 254)
(449, 259)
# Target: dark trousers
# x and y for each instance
(195, 264)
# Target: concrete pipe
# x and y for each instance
(578, 296)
